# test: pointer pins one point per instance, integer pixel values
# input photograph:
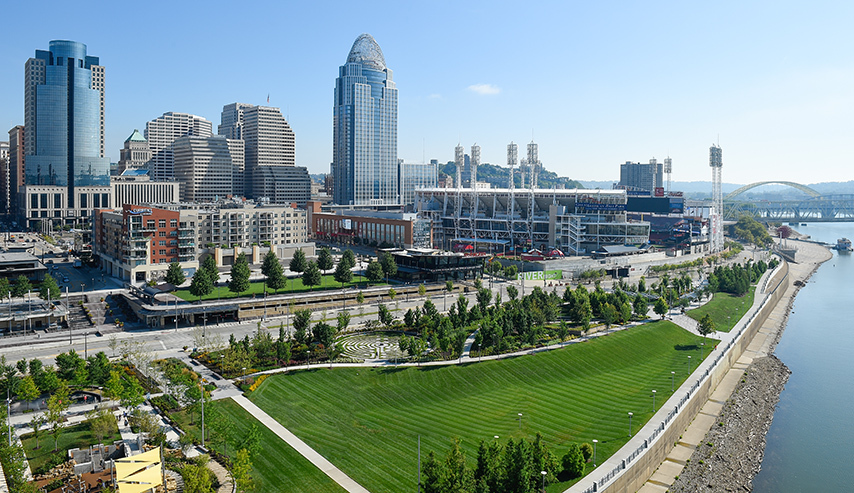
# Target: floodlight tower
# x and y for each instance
(475, 160)
(459, 160)
(512, 158)
(716, 163)
(668, 169)
(534, 163)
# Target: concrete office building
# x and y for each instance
(64, 135)
(5, 185)
(364, 160)
(642, 176)
(136, 153)
(208, 167)
(282, 184)
(413, 176)
(16, 167)
(163, 131)
(231, 120)
(135, 186)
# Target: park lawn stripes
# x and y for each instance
(366, 421)
(726, 309)
(278, 467)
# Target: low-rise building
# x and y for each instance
(369, 227)
(134, 186)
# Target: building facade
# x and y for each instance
(5, 185)
(414, 176)
(642, 176)
(231, 121)
(137, 243)
(136, 153)
(364, 161)
(208, 167)
(64, 131)
(16, 167)
(162, 132)
(135, 186)
(369, 228)
(282, 184)
(244, 225)
(574, 221)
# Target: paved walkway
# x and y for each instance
(309, 453)
(809, 257)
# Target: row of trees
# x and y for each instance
(512, 468)
(48, 288)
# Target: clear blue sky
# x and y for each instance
(597, 83)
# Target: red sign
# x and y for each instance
(659, 191)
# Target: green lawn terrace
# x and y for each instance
(257, 289)
(725, 309)
(367, 421)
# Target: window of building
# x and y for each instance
(162, 252)
(173, 250)
(161, 223)
(34, 201)
(162, 242)
(173, 233)
(149, 224)
(173, 223)
(96, 200)
(161, 233)
(43, 200)
(84, 201)
(57, 201)
(173, 242)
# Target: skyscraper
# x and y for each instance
(163, 131)
(64, 131)
(231, 126)
(364, 161)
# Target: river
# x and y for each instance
(810, 445)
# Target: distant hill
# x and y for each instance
(497, 176)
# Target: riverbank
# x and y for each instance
(730, 455)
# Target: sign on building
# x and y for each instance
(542, 275)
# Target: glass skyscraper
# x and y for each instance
(64, 119)
(364, 161)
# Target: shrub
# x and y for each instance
(257, 383)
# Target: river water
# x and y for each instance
(810, 443)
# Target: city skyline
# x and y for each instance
(593, 87)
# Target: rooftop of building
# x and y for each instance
(366, 51)
(136, 137)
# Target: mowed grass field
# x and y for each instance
(294, 285)
(278, 468)
(726, 309)
(367, 421)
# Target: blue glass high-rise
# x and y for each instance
(364, 162)
(64, 118)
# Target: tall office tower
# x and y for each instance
(16, 166)
(364, 137)
(641, 176)
(717, 233)
(231, 121)
(135, 154)
(206, 167)
(64, 133)
(269, 142)
(4, 178)
(163, 131)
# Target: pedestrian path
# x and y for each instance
(309, 453)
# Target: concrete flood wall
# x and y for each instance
(636, 466)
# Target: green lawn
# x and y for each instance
(77, 436)
(725, 309)
(367, 421)
(257, 288)
(278, 467)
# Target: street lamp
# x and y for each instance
(630, 424)
(85, 345)
(672, 376)
(244, 373)
(9, 414)
(689, 365)
(544, 473)
(202, 389)
(520, 421)
(702, 344)
(653, 401)
(595, 441)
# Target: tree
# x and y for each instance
(241, 470)
(343, 321)
(298, 262)
(273, 272)
(27, 389)
(201, 285)
(660, 307)
(22, 287)
(196, 477)
(512, 293)
(343, 274)
(388, 265)
(640, 305)
(209, 266)
(422, 290)
(36, 424)
(175, 274)
(132, 394)
(384, 315)
(458, 478)
(348, 258)
(115, 387)
(706, 325)
(5, 287)
(302, 320)
(324, 334)
(102, 423)
(573, 462)
(56, 405)
(642, 285)
(324, 259)
(609, 315)
(239, 275)
(49, 289)
(311, 277)
(374, 272)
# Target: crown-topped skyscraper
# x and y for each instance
(364, 161)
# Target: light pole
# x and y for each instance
(9, 414)
(702, 344)
(29, 312)
(595, 441)
(544, 473)
(653, 401)
(244, 373)
(10, 313)
(630, 423)
(689, 365)
(520, 421)
(85, 345)
(672, 376)
(202, 390)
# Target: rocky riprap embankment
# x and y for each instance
(731, 453)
